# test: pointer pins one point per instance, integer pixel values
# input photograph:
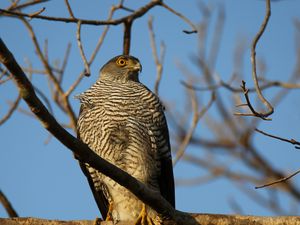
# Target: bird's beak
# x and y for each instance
(137, 67)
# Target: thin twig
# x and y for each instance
(262, 115)
(279, 181)
(93, 56)
(65, 103)
(197, 116)
(194, 28)
(69, 9)
(31, 15)
(228, 86)
(158, 60)
(253, 112)
(14, 6)
(7, 205)
(291, 141)
(11, 110)
(78, 36)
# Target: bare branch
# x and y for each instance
(158, 60)
(97, 48)
(86, 65)
(291, 141)
(69, 9)
(262, 115)
(15, 5)
(127, 36)
(31, 15)
(11, 110)
(136, 14)
(279, 181)
(196, 117)
(254, 113)
(194, 28)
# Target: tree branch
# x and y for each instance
(7, 205)
(136, 14)
(262, 115)
(203, 219)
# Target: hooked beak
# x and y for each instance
(137, 67)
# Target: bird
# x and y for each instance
(122, 121)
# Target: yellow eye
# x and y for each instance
(121, 62)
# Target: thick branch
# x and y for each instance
(203, 219)
(136, 14)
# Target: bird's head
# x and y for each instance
(121, 68)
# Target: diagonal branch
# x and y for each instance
(7, 205)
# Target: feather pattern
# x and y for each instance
(123, 122)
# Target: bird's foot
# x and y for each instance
(109, 212)
(143, 218)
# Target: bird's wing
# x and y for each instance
(99, 195)
(166, 178)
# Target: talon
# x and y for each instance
(143, 218)
(109, 212)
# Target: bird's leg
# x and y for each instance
(109, 212)
(143, 218)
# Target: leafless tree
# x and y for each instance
(233, 133)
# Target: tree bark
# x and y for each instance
(203, 219)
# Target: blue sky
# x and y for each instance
(44, 180)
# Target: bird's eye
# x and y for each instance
(121, 62)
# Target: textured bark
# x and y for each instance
(203, 219)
